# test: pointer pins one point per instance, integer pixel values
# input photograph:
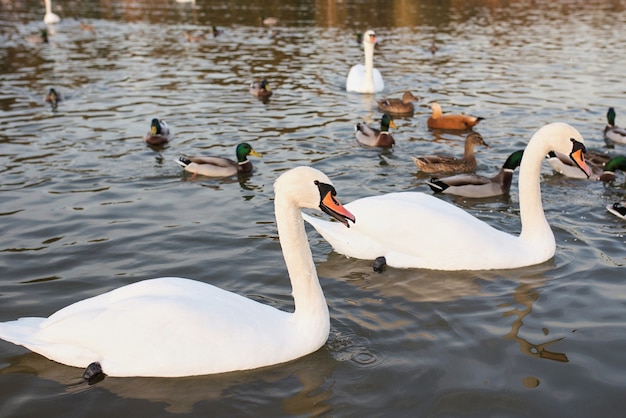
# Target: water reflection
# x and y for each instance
(306, 383)
(526, 294)
(402, 343)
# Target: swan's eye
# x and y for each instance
(325, 189)
(578, 146)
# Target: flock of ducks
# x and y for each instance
(171, 327)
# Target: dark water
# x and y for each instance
(87, 207)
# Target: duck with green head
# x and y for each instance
(615, 163)
(613, 133)
(261, 90)
(53, 98)
(373, 137)
(220, 166)
(159, 133)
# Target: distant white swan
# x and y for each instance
(366, 78)
(171, 327)
(50, 17)
(418, 230)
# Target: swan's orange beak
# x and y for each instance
(578, 156)
(334, 208)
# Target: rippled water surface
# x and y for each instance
(86, 206)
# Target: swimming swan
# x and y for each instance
(418, 230)
(49, 17)
(366, 78)
(170, 326)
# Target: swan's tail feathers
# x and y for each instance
(22, 331)
(183, 161)
(437, 185)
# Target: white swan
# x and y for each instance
(366, 78)
(50, 17)
(178, 327)
(418, 230)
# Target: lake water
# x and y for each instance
(86, 206)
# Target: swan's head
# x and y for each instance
(369, 37)
(307, 187)
(563, 138)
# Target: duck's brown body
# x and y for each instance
(449, 164)
(452, 122)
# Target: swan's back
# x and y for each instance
(187, 328)
(357, 81)
(414, 229)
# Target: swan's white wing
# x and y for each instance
(161, 327)
(419, 230)
(356, 79)
(379, 84)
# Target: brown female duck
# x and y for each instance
(449, 164)
(402, 106)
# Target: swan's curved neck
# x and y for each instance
(308, 296)
(535, 227)
(48, 6)
(368, 50)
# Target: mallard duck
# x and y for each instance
(448, 164)
(53, 98)
(373, 137)
(612, 132)
(564, 165)
(473, 185)
(50, 17)
(261, 90)
(402, 106)
(159, 133)
(450, 121)
(618, 209)
(174, 327)
(615, 163)
(433, 48)
(194, 38)
(42, 38)
(84, 26)
(419, 230)
(220, 166)
(366, 78)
